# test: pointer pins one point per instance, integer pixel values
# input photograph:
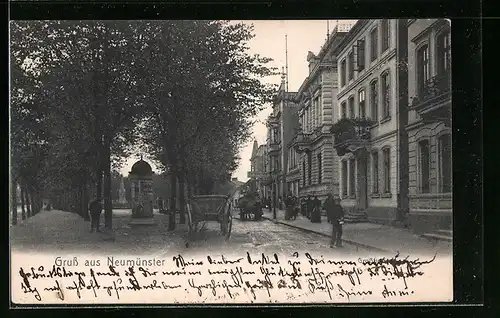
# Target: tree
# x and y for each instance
(200, 76)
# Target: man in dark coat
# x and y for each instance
(336, 214)
(309, 206)
(95, 209)
(316, 212)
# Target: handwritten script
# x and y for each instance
(249, 278)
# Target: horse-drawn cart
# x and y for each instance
(210, 208)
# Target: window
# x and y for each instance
(362, 108)
(387, 170)
(445, 173)
(342, 73)
(319, 169)
(303, 173)
(386, 34)
(386, 94)
(343, 109)
(424, 166)
(352, 178)
(444, 53)
(350, 70)
(344, 178)
(375, 176)
(309, 168)
(374, 100)
(361, 54)
(374, 44)
(351, 106)
(423, 71)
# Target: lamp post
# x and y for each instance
(274, 175)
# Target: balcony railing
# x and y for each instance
(273, 119)
(433, 102)
(351, 135)
(302, 142)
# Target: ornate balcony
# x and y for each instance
(302, 142)
(433, 103)
(351, 135)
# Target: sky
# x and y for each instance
(269, 41)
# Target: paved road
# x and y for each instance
(56, 231)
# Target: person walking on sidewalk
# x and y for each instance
(309, 206)
(316, 212)
(336, 213)
(95, 209)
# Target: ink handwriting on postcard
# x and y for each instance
(257, 278)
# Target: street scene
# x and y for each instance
(164, 138)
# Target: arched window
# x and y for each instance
(374, 100)
(343, 110)
(386, 34)
(386, 157)
(424, 165)
(423, 68)
(342, 73)
(386, 94)
(361, 103)
(444, 160)
(350, 102)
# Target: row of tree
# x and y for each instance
(84, 93)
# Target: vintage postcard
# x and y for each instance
(230, 162)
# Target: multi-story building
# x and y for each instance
(316, 101)
(258, 170)
(281, 124)
(367, 132)
(429, 124)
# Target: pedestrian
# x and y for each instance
(329, 202)
(95, 209)
(316, 212)
(336, 213)
(309, 206)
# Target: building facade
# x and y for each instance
(282, 124)
(429, 124)
(366, 138)
(317, 99)
(258, 170)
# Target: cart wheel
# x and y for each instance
(229, 226)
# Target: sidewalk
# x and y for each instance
(60, 230)
(376, 237)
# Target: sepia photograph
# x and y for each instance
(240, 162)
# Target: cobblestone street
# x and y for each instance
(64, 232)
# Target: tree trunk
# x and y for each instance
(85, 203)
(28, 202)
(189, 186)
(173, 197)
(98, 175)
(182, 198)
(14, 203)
(23, 208)
(108, 205)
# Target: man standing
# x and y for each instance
(316, 212)
(309, 206)
(336, 215)
(95, 209)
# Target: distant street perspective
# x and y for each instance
(169, 137)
